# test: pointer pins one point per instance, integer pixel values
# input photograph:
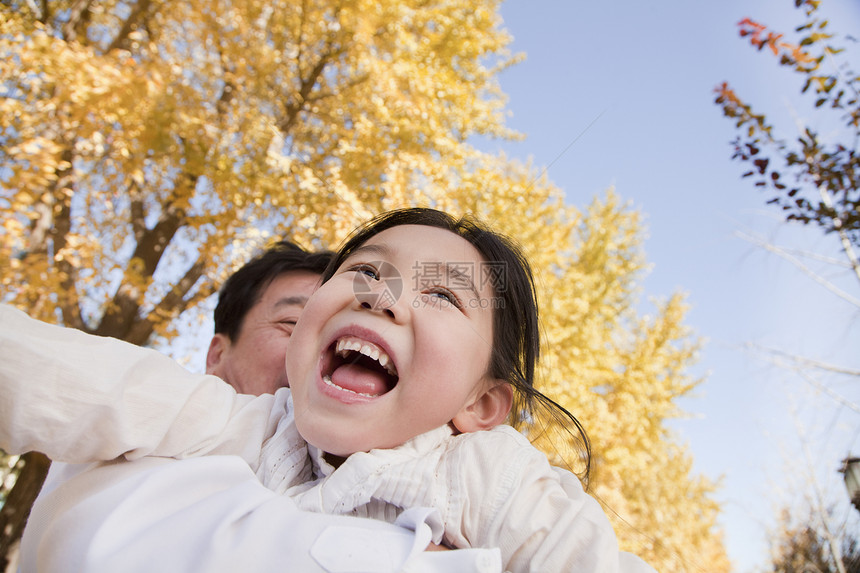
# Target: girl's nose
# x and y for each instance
(388, 310)
(382, 292)
(383, 299)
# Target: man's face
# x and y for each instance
(253, 363)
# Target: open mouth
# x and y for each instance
(359, 367)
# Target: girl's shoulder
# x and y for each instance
(501, 434)
(501, 445)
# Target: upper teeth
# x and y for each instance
(368, 349)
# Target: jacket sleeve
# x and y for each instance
(81, 398)
(211, 515)
(538, 515)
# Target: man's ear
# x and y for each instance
(488, 409)
(217, 347)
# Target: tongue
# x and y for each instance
(360, 379)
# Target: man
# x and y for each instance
(212, 514)
(258, 307)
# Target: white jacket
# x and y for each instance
(80, 398)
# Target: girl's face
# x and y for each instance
(395, 344)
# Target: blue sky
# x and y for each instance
(632, 84)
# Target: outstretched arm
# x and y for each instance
(211, 515)
(80, 398)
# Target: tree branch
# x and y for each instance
(137, 213)
(785, 254)
(140, 8)
(49, 236)
(68, 299)
(172, 304)
(78, 17)
(307, 84)
(802, 361)
(36, 10)
(16, 509)
(122, 311)
(800, 365)
(843, 236)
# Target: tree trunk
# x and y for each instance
(13, 515)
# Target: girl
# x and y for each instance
(421, 341)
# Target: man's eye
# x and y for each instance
(365, 269)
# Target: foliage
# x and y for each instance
(602, 359)
(7, 475)
(148, 147)
(822, 190)
(802, 545)
(824, 187)
(149, 138)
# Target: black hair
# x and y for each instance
(245, 287)
(516, 330)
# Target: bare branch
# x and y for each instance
(785, 254)
(801, 365)
(843, 236)
(820, 510)
(803, 254)
(802, 361)
(835, 396)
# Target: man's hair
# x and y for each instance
(246, 286)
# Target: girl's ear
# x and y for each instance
(488, 409)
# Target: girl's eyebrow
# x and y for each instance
(462, 279)
(376, 249)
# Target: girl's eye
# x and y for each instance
(365, 269)
(446, 295)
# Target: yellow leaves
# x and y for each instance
(260, 119)
(621, 374)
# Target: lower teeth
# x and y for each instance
(327, 380)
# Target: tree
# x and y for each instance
(805, 543)
(821, 189)
(801, 549)
(604, 359)
(825, 189)
(144, 144)
(148, 147)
